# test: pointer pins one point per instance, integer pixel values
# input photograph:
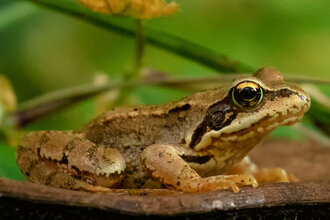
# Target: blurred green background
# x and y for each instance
(42, 50)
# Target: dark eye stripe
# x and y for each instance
(215, 119)
(272, 95)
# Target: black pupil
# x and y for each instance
(248, 93)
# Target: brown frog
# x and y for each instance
(198, 143)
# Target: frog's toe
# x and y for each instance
(251, 180)
(243, 180)
(235, 188)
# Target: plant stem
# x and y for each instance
(158, 38)
(13, 13)
(135, 73)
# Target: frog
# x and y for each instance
(196, 144)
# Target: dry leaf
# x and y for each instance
(7, 95)
(133, 8)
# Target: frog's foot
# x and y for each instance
(246, 166)
(224, 182)
(61, 180)
(164, 163)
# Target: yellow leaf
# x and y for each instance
(7, 95)
(133, 8)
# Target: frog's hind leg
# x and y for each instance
(69, 161)
(276, 174)
(164, 163)
(38, 171)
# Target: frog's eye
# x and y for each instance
(247, 94)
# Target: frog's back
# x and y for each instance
(139, 126)
(149, 124)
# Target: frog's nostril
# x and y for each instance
(303, 97)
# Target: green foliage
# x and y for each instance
(8, 167)
(286, 132)
(321, 116)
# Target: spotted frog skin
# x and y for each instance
(198, 143)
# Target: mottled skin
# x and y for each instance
(195, 144)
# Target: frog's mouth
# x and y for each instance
(264, 126)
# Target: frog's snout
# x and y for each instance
(297, 106)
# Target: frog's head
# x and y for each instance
(253, 106)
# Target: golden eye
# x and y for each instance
(247, 94)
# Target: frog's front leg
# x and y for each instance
(276, 174)
(67, 160)
(164, 163)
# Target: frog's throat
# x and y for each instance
(251, 125)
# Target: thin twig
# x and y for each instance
(306, 79)
(53, 101)
(312, 134)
